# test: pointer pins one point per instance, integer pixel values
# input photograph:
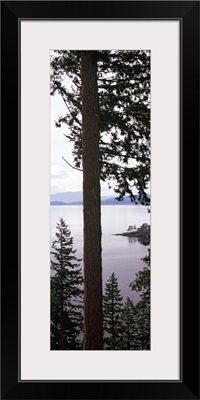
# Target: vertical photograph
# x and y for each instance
(100, 155)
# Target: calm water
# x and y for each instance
(120, 255)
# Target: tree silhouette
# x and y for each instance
(66, 292)
(129, 326)
(112, 311)
(141, 284)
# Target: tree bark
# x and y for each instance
(93, 315)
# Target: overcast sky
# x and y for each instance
(63, 177)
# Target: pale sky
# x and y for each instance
(63, 177)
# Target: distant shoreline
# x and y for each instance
(143, 232)
(75, 199)
(120, 203)
(130, 234)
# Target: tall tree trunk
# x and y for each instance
(93, 315)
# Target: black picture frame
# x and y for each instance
(188, 13)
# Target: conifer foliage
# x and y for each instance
(129, 325)
(141, 284)
(123, 84)
(112, 311)
(66, 292)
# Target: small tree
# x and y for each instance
(142, 284)
(112, 309)
(129, 325)
(66, 292)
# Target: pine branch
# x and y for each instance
(63, 91)
(75, 119)
(78, 169)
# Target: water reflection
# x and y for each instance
(132, 239)
(119, 255)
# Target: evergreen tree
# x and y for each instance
(142, 284)
(108, 111)
(112, 310)
(129, 326)
(66, 292)
(123, 85)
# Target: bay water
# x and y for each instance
(120, 254)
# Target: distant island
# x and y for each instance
(58, 203)
(76, 198)
(142, 233)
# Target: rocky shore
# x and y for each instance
(142, 233)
